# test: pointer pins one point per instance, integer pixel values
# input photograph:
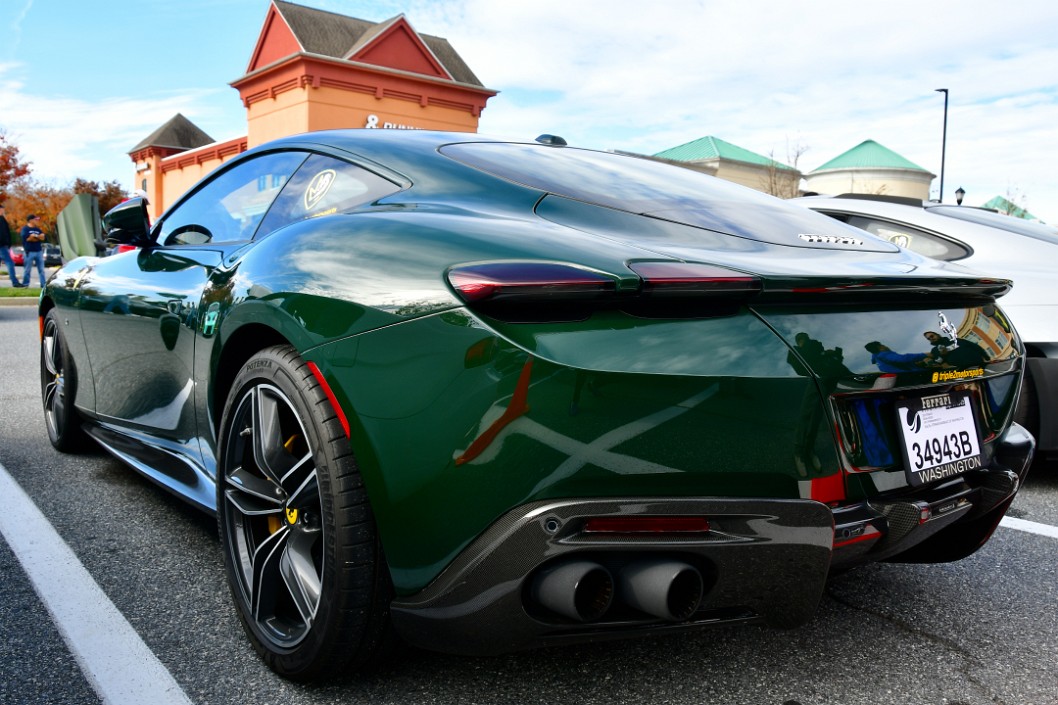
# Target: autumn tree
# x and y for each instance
(24, 196)
(29, 197)
(12, 168)
(108, 194)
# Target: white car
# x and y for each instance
(992, 243)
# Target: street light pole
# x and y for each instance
(943, 141)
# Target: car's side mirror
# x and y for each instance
(127, 223)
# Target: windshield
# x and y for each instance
(998, 220)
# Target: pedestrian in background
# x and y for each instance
(5, 247)
(33, 245)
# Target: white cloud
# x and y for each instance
(825, 75)
(64, 138)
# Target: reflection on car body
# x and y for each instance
(489, 395)
(995, 244)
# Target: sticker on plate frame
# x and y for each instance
(939, 436)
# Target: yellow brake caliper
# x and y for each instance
(274, 522)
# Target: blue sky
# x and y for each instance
(81, 83)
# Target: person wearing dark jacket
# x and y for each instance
(5, 247)
(33, 245)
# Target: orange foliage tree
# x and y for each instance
(24, 196)
(12, 168)
(27, 197)
(107, 194)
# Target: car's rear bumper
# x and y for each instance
(539, 576)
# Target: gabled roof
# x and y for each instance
(870, 155)
(705, 148)
(338, 36)
(1004, 205)
(178, 133)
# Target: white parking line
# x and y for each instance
(1030, 526)
(120, 667)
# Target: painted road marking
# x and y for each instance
(119, 666)
(1030, 526)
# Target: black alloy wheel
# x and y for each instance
(300, 548)
(57, 385)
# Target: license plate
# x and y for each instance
(940, 437)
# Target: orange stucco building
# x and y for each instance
(317, 70)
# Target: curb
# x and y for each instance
(19, 300)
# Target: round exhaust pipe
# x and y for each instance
(669, 590)
(580, 590)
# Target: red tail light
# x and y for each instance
(554, 291)
(689, 278)
(480, 283)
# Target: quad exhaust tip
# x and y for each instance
(584, 590)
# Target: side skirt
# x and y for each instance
(168, 468)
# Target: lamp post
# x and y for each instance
(959, 193)
(943, 141)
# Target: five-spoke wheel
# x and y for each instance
(272, 513)
(303, 559)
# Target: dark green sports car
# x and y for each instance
(486, 395)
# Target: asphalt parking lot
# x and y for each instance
(981, 630)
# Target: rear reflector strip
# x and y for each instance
(646, 525)
(330, 397)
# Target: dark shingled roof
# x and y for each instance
(177, 133)
(334, 35)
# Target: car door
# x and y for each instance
(140, 310)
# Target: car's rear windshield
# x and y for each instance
(998, 220)
(619, 181)
(643, 186)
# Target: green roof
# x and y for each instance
(870, 155)
(705, 148)
(1005, 206)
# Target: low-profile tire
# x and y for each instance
(301, 550)
(58, 384)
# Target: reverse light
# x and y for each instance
(647, 525)
(683, 278)
(479, 283)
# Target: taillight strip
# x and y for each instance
(477, 283)
(667, 278)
